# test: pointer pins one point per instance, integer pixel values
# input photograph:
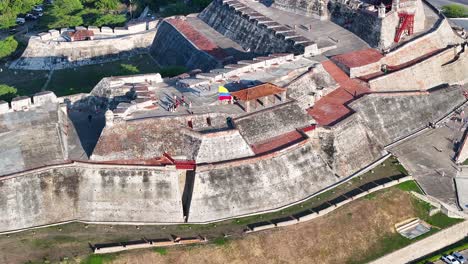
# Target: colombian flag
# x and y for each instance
(223, 93)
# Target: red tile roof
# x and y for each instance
(277, 142)
(81, 34)
(332, 107)
(198, 39)
(358, 58)
(257, 92)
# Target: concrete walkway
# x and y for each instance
(426, 246)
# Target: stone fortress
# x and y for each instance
(319, 91)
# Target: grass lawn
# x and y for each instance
(81, 79)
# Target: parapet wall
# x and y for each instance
(446, 67)
(252, 30)
(52, 54)
(441, 37)
(90, 192)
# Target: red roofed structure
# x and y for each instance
(265, 93)
(80, 35)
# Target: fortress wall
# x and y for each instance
(93, 193)
(272, 122)
(311, 86)
(441, 68)
(305, 8)
(247, 31)
(43, 55)
(249, 187)
(349, 146)
(438, 39)
(365, 25)
(390, 118)
(170, 47)
(225, 145)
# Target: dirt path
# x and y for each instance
(355, 229)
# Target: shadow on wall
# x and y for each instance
(88, 117)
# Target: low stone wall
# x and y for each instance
(312, 215)
(146, 243)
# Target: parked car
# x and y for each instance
(13, 31)
(449, 259)
(20, 20)
(30, 17)
(459, 257)
(38, 9)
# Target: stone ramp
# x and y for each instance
(226, 44)
(172, 47)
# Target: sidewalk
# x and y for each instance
(426, 246)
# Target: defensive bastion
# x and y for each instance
(309, 126)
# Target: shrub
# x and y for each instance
(129, 69)
(7, 92)
(8, 46)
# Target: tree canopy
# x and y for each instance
(10, 9)
(8, 46)
(7, 92)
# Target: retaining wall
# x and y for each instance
(51, 54)
(90, 192)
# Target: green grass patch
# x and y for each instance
(442, 221)
(160, 251)
(99, 259)
(220, 241)
(409, 186)
(370, 196)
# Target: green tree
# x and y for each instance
(107, 5)
(129, 69)
(8, 46)
(454, 10)
(110, 20)
(7, 92)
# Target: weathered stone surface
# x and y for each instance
(273, 122)
(258, 185)
(90, 193)
(248, 33)
(35, 138)
(170, 47)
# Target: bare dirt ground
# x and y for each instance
(343, 236)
